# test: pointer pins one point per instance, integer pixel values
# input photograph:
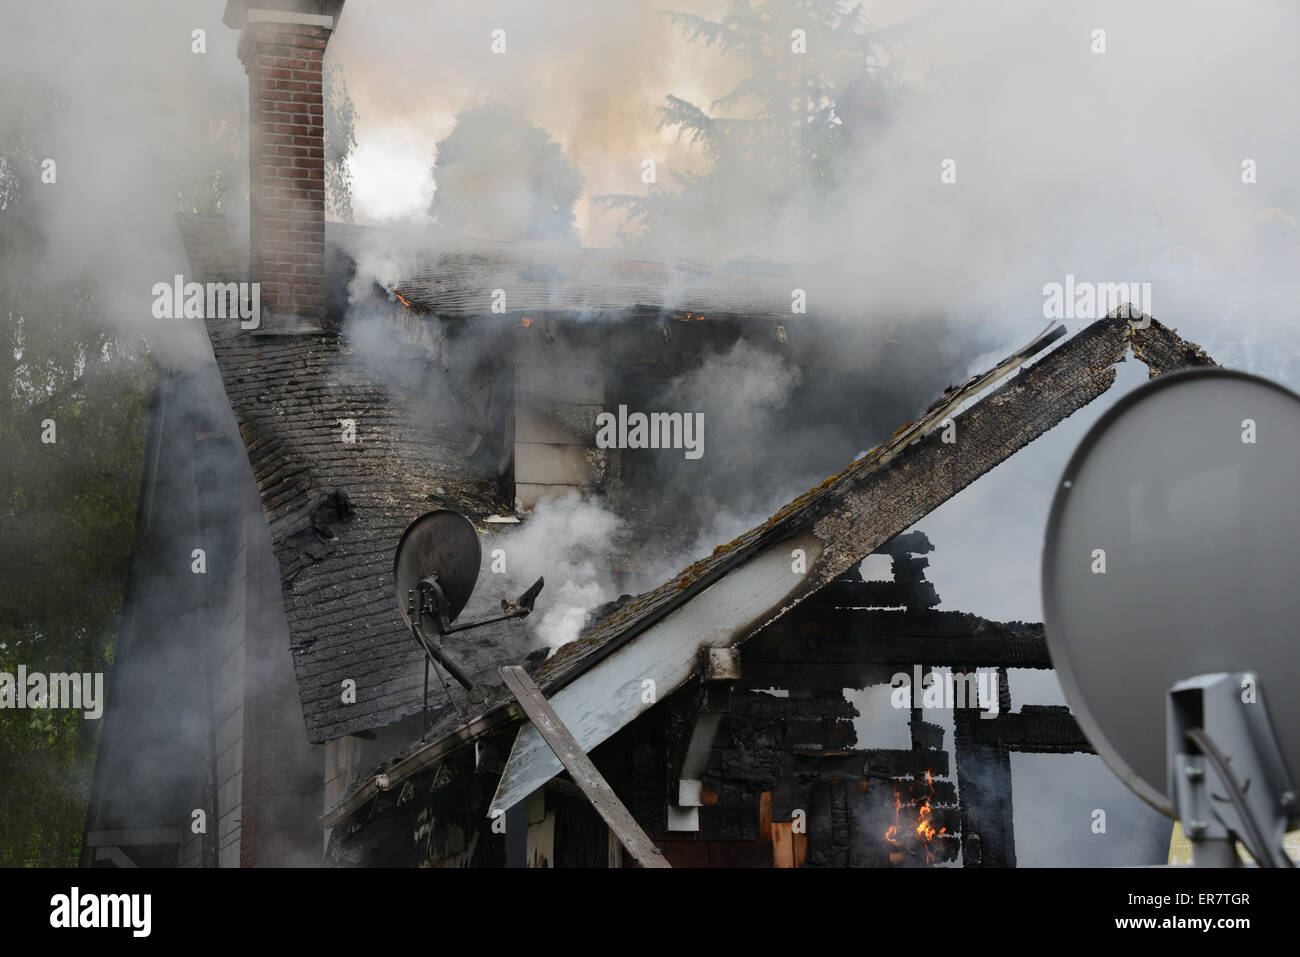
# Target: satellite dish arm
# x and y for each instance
(434, 652)
(521, 607)
(428, 599)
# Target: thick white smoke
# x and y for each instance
(569, 540)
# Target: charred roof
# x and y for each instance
(852, 513)
(336, 508)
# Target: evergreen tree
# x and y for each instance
(813, 83)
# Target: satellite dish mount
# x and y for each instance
(1226, 773)
(434, 573)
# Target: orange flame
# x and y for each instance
(891, 832)
(925, 829)
(525, 322)
(405, 302)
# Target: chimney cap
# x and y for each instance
(236, 13)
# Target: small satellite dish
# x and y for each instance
(1171, 553)
(442, 544)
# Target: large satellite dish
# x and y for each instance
(1172, 550)
(443, 544)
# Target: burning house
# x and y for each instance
(269, 705)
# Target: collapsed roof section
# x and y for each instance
(595, 683)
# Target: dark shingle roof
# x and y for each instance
(335, 552)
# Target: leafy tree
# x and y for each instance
(500, 177)
(340, 141)
(68, 512)
(222, 186)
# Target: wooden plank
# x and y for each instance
(765, 816)
(615, 851)
(782, 844)
(580, 768)
(800, 848)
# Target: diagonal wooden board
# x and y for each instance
(627, 683)
(584, 773)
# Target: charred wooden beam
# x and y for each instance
(865, 765)
(850, 594)
(906, 544)
(863, 622)
(1049, 729)
(864, 661)
(752, 703)
(984, 801)
(883, 639)
(926, 736)
(879, 503)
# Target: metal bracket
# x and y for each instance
(719, 670)
(1227, 779)
(428, 602)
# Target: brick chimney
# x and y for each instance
(282, 46)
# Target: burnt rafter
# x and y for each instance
(1048, 729)
(739, 590)
(876, 637)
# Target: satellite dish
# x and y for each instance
(442, 544)
(1171, 552)
(434, 573)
